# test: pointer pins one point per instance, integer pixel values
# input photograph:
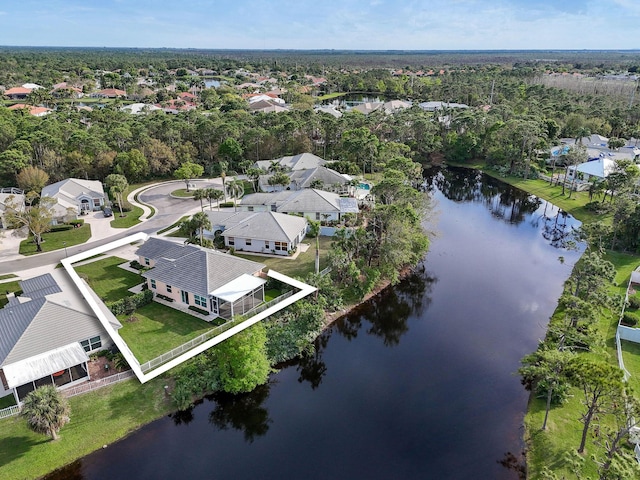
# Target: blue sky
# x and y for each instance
(324, 24)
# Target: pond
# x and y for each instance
(418, 383)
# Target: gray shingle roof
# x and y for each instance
(202, 271)
(301, 161)
(308, 200)
(156, 248)
(277, 227)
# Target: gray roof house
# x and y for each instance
(46, 334)
(309, 202)
(259, 232)
(301, 161)
(77, 194)
(217, 283)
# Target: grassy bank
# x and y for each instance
(97, 418)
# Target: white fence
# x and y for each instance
(95, 384)
(10, 411)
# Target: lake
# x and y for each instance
(418, 383)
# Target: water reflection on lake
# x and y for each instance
(418, 383)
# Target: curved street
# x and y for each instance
(167, 211)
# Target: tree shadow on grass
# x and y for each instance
(12, 448)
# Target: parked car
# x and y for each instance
(107, 212)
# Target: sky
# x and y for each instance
(324, 24)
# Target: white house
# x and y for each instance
(599, 169)
(77, 194)
(259, 232)
(307, 203)
(327, 178)
(302, 161)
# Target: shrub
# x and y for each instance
(163, 297)
(198, 310)
(629, 320)
(61, 228)
(136, 264)
(634, 302)
(128, 305)
(79, 222)
(226, 204)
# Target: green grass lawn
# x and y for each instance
(301, 266)
(56, 240)
(8, 275)
(129, 219)
(271, 294)
(97, 418)
(182, 192)
(5, 288)
(158, 329)
(173, 225)
(109, 281)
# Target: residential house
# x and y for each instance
(328, 109)
(13, 195)
(319, 177)
(259, 232)
(598, 169)
(434, 106)
(110, 93)
(46, 334)
(267, 106)
(77, 195)
(308, 203)
(301, 161)
(367, 107)
(212, 281)
(17, 93)
(32, 109)
(138, 108)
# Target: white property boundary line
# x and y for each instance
(102, 313)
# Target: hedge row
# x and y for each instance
(127, 305)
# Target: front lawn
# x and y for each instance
(97, 418)
(57, 240)
(129, 219)
(299, 267)
(109, 281)
(158, 329)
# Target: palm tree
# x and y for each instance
(224, 166)
(213, 194)
(236, 190)
(46, 410)
(200, 194)
(201, 222)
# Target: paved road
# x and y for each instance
(168, 211)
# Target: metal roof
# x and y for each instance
(238, 288)
(14, 320)
(40, 286)
(156, 248)
(44, 364)
(272, 226)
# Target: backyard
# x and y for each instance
(156, 329)
(299, 267)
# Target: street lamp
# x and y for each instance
(64, 244)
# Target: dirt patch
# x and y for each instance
(97, 368)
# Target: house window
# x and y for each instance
(153, 284)
(266, 244)
(281, 246)
(147, 261)
(250, 209)
(201, 301)
(273, 208)
(169, 289)
(317, 215)
(92, 344)
(231, 241)
(96, 202)
(247, 241)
